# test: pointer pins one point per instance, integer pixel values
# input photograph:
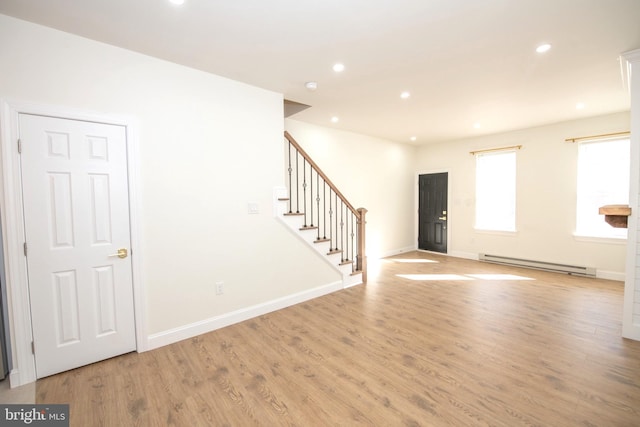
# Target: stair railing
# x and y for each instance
(325, 209)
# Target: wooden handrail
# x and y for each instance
(319, 171)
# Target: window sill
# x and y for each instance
(495, 232)
(598, 239)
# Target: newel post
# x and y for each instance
(361, 261)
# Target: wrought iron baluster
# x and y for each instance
(324, 209)
(311, 194)
(318, 202)
(330, 223)
(304, 190)
(290, 171)
(297, 183)
(336, 248)
(341, 230)
(346, 233)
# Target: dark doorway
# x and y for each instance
(432, 212)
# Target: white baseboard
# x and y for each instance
(631, 332)
(15, 380)
(454, 254)
(397, 251)
(465, 255)
(202, 327)
(610, 275)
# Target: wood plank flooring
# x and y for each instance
(430, 341)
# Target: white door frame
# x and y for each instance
(12, 215)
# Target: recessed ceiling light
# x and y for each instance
(543, 48)
(177, 2)
(580, 106)
(335, 119)
(405, 95)
(311, 85)
(477, 125)
(338, 68)
(413, 138)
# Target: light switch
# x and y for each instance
(254, 208)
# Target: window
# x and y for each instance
(603, 179)
(496, 191)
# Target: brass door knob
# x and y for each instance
(443, 218)
(122, 253)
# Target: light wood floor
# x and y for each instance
(435, 347)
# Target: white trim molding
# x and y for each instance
(11, 211)
(610, 275)
(22, 361)
(397, 251)
(631, 312)
(202, 327)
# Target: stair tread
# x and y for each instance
(331, 251)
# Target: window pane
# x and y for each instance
(496, 191)
(603, 179)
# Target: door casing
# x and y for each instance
(12, 216)
(416, 221)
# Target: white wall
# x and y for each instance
(372, 173)
(546, 196)
(208, 146)
(631, 317)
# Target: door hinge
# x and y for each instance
(25, 248)
(33, 348)
(19, 146)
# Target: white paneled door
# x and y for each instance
(77, 232)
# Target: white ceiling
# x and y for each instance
(464, 61)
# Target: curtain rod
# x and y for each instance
(517, 147)
(606, 135)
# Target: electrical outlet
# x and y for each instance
(219, 288)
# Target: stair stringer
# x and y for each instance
(295, 223)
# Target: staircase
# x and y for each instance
(315, 210)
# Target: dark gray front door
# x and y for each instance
(432, 212)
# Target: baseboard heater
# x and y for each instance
(540, 265)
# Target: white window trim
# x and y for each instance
(496, 232)
(597, 239)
